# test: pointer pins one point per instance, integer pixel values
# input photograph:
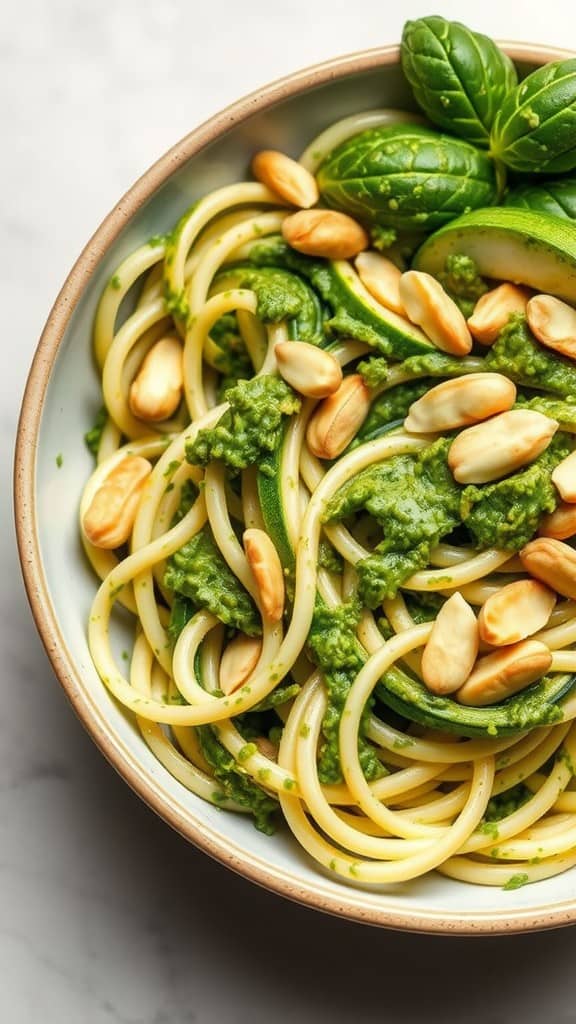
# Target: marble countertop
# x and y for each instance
(126, 923)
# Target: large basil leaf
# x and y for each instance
(407, 176)
(535, 129)
(557, 196)
(460, 78)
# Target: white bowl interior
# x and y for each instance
(72, 401)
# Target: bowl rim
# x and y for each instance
(354, 904)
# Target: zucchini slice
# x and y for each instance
(509, 244)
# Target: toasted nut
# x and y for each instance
(504, 672)
(285, 176)
(308, 369)
(452, 648)
(552, 562)
(381, 278)
(156, 390)
(428, 305)
(494, 309)
(559, 524)
(325, 233)
(267, 571)
(238, 662)
(516, 611)
(338, 418)
(564, 478)
(553, 322)
(500, 445)
(110, 517)
(266, 747)
(455, 403)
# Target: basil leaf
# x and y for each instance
(460, 78)
(406, 176)
(535, 129)
(557, 196)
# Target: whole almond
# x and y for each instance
(458, 402)
(338, 418)
(499, 446)
(499, 675)
(432, 309)
(515, 612)
(553, 562)
(553, 322)
(156, 390)
(326, 233)
(564, 478)
(381, 278)
(266, 747)
(267, 572)
(238, 662)
(452, 648)
(110, 516)
(308, 369)
(286, 177)
(559, 524)
(494, 309)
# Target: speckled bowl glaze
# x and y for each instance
(60, 402)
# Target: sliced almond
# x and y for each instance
(564, 478)
(325, 233)
(494, 309)
(515, 612)
(553, 322)
(432, 309)
(499, 675)
(267, 571)
(338, 418)
(458, 402)
(452, 648)
(308, 369)
(110, 516)
(553, 562)
(499, 446)
(156, 391)
(289, 179)
(381, 278)
(559, 524)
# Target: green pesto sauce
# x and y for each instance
(199, 573)
(461, 280)
(516, 882)
(334, 648)
(250, 429)
(517, 354)
(374, 370)
(93, 436)
(236, 784)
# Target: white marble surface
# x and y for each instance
(106, 916)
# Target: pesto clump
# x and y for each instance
(93, 436)
(334, 648)
(198, 572)
(416, 501)
(235, 782)
(250, 429)
(231, 358)
(506, 514)
(517, 355)
(460, 278)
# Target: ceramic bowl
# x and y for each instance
(61, 399)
